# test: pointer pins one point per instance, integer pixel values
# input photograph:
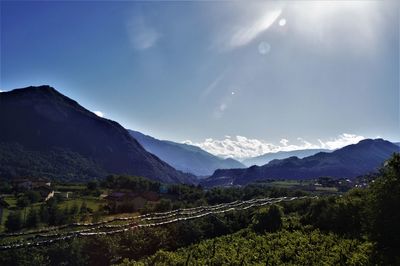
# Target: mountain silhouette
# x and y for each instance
(184, 157)
(267, 157)
(348, 162)
(40, 120)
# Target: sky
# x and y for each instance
(236, 78)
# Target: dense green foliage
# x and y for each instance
(358, 228)
(183, 196)
(137, 244)
(268, 220)
(133, 183)
(59, 164)
(383, 212)
(299, 247)
(14, 221)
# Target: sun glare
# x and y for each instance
(326, 9)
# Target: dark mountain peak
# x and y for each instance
(366, 144)
(44, 89)
(40, 119)
(41, 97)
(40, 88)
(38, 91)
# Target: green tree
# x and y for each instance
(268, 220)
(32, 219)
(33, 196)
(84, 208)
(44, 214)
(164, 205)
(55, 214)
(383, 211)
(5, 187)
(66, 216)
(14, 221)
(92, 185)
(74, 211)
(23, 202)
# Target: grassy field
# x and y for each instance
(288, 183)
(11, 200)
(306, 185)
(69, 187)
(92, 202)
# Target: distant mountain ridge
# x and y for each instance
(184, 157)
(41, 119)
(267, 157)
(350, 161)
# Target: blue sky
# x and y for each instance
(279, 75)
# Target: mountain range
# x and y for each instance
(267, 157)
(184, 157)
(42, 129)
(350, 161)
(44, 133)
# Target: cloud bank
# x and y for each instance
(240, 147)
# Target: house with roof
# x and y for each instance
(28, 183)
(45, 192)
(21, 184)
(40, 182)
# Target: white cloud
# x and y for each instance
(98, 113)
(141, 35)
(341, 141)
(1, 91)
(240, 147)
(284, 142)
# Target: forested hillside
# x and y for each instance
(40, 119)
(357, 228)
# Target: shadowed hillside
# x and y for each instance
(41, 119)
(187, 158)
